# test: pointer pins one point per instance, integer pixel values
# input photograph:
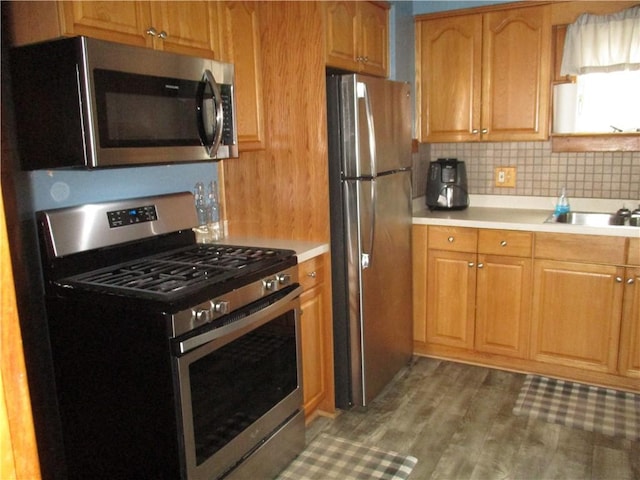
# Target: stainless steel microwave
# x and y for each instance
(81, 102)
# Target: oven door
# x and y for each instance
(239, 386)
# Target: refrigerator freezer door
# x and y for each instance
(379, 297)
(377, 113)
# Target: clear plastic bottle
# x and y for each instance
(201, 204)
(215, 226)
(562, 205)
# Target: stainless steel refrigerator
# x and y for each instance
(369, 129)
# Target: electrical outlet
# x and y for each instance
(505, 176)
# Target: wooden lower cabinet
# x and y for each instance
(531, 302)
(576, 314)
(629, 354)
(316, 335)
(478, 301)
(451, 288)
(503, 303)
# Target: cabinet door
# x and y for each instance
(123, 22)
(516, 66)
(419, 264)
(374, 39)
(503, 304)
(189, 27)
(312, 351)
(240, 43)
(342, 35)
(312, 334)
(576, 314)
(449, 54)
(451, 292)
(629, 361)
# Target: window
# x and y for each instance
(608, 102)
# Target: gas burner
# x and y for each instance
(173, 272)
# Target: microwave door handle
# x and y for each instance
(212, 146)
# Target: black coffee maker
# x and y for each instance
(447, 185)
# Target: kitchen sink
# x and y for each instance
(590, 219)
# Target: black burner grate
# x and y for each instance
(178, 270)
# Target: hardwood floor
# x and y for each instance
(456, 420)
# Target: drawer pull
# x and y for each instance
(451, 239)
(311, 274)
(503, 243)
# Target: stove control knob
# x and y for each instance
(284, 278)
(203, 316)
(220, 307)
(270, 284)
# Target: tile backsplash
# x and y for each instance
(539, 172)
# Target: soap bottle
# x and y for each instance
(562, 206)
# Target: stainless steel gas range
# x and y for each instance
(173, 359)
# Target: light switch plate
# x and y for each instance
(505, 176)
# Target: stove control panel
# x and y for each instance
(227, 303)
(131, 216)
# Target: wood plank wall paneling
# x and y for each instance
(282, 191)
(19, 457)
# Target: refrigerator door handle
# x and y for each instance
(362, 92)
(367, 258)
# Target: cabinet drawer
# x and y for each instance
(505, 242)
(580, 248)
(634, 252)
(311, 272)
(456, 239)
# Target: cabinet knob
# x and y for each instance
(480, 265)
(503, 243)
(451, 239)
(365, 59)
(151, 31)
(618, 279)
(475, 131)
(471, 264)
(630, 281)
(484, 130)
(162, 35)
(311, 274)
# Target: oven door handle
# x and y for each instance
(241, 326)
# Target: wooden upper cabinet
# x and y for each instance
(485, 77)
(449, 68)
(240, 44)
(181, 27)
(184, 27)
(357, 36)
(374, 38)
(516, 61)
(123, 22)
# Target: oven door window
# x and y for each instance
(145, 111)
(238, 383)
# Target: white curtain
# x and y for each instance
(602, 43)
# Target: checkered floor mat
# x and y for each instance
(575, 405)
(327, 457)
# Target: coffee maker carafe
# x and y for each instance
(447, 185)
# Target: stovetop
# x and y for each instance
(177, 273)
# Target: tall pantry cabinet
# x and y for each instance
(484, 76)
